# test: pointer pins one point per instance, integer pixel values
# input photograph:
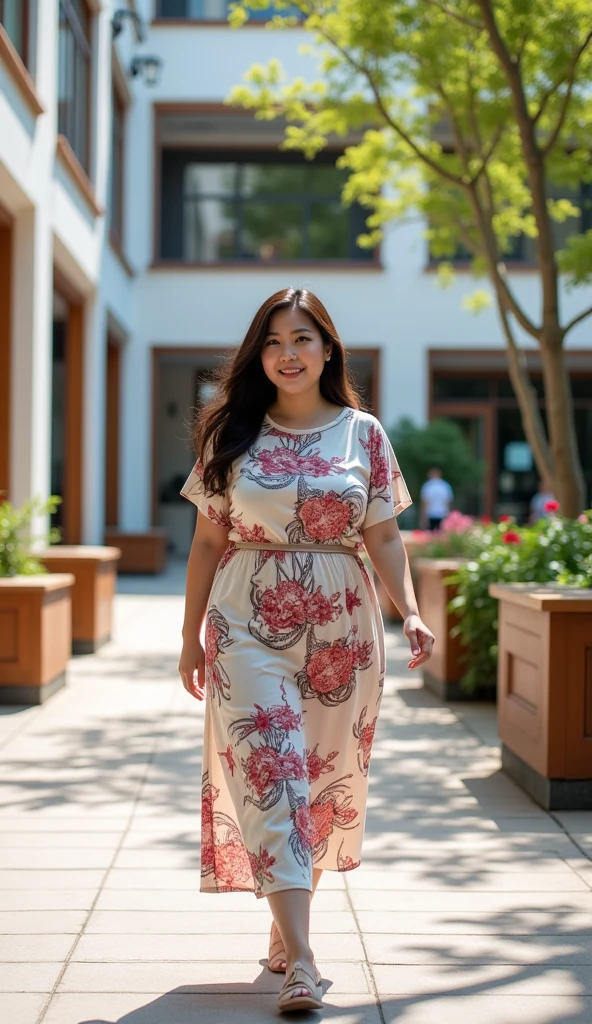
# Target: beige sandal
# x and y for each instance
(276, 957)
(300, 978)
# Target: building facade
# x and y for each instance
(142, 223)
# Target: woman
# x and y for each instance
(291, 479)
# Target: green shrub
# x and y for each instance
(16, 537)
(555, 550)
(439, 443)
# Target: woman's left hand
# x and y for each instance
(421, 640)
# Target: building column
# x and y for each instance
(31, 362)
(93, 459)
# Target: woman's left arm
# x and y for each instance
(387, 553)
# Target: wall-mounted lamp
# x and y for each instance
(149, 67)
(118, 19)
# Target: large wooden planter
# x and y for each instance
(95, 574)
(414, 549)
(35, 636)
(140, 552)
(443, 671)
(545, 691)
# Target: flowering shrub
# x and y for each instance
(554, 549)
(459, 536)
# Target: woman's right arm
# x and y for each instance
(209, 544)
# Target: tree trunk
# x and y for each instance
(568, 480)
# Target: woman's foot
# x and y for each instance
(302, 989)
(276, 958)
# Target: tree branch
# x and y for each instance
(577, 319)
(488, 155)
(568, 94)
(455, 15)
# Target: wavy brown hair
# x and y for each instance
(230, 422)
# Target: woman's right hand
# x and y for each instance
(192, 668)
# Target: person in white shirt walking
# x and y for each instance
(436, 498)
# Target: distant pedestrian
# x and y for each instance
(539, 502)
(436, 498)
(292, 479)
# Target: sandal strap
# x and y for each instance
(295, 982)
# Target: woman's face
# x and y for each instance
(293, 353)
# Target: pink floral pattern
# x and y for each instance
(294, 654)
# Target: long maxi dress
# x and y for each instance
(295, 654)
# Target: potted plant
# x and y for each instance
(35, 610)
(545, 670)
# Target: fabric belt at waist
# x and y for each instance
(328, 549)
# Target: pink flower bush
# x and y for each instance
(456, 522)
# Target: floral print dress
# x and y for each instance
(294, 651)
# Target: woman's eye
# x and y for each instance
(271, 341)
(303, 337)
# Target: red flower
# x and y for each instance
(284, 607)
(361, 653)
(551, 505)
(209, 794)
(302, 823)
(266, 766)
(325, 518)
(322, 816)
(283, 460)
(511, 537)
(233, 867)
(219, 518)
(352, 600)
(281, 718)
(317, 766)
(330, 668)
(260, 865)
(365, 742)
(320, 609)
(211, 646)
(254, 536)
(380, 473)
(485, 520)
(229, 755)
(505, 519)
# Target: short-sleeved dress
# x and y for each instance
(294, 654)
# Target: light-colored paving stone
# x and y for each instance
(472, 903)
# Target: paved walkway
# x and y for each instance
(472, 906)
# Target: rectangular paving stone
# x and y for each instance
(203, 902)
(47, 899)
(540, 922)
(487, 1009)
(446, 948)
(41, 922)
(34, 948)
(163, 859)
(250, 947)
(21, 1007)
(473, 902)
(145, 922)
(55, 879)
(36, 977)
(373, 884)
(21, 840)
(499, 979)
(156, 1008)
(187, 976)
(38, 822)
(60, 858)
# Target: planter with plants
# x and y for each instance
(95, 574)
(143, 553)
(35, 610)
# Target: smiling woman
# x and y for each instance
(292, 478)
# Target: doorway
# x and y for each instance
(67, 410)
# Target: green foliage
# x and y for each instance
(16, 536)
(439, 443)
(424, 83)
(556, 550)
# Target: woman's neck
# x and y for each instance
(301, 410)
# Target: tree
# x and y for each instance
(475, 115)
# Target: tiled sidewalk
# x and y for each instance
(472, 906)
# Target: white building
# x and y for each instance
(140, 228)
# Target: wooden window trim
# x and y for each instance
(161, 22)
(92, 9)
(78, 175)
(74, 412)
(19, 73)
(7, 262)
(158, 266)
(120, 107)
(464, 267)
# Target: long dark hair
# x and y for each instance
(230, 422)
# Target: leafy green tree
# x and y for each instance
(440, 443)
(478, 115)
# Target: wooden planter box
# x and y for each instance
(443, 671)
(413, 548)
(35, 636)
(140, 552)
(545, 691)
(95, 574)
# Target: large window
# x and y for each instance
(209, 10)
(524, 249)
(265, 207)
(74, 77)
(14, 18)
(117, 165)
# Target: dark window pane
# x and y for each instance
(73, 76)
(13, 18)
(267, 179)
(461, 387)
(328, 231)
(209, 233)
(272, 230)
(209, 179)
(581, 387)
(211, 10)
